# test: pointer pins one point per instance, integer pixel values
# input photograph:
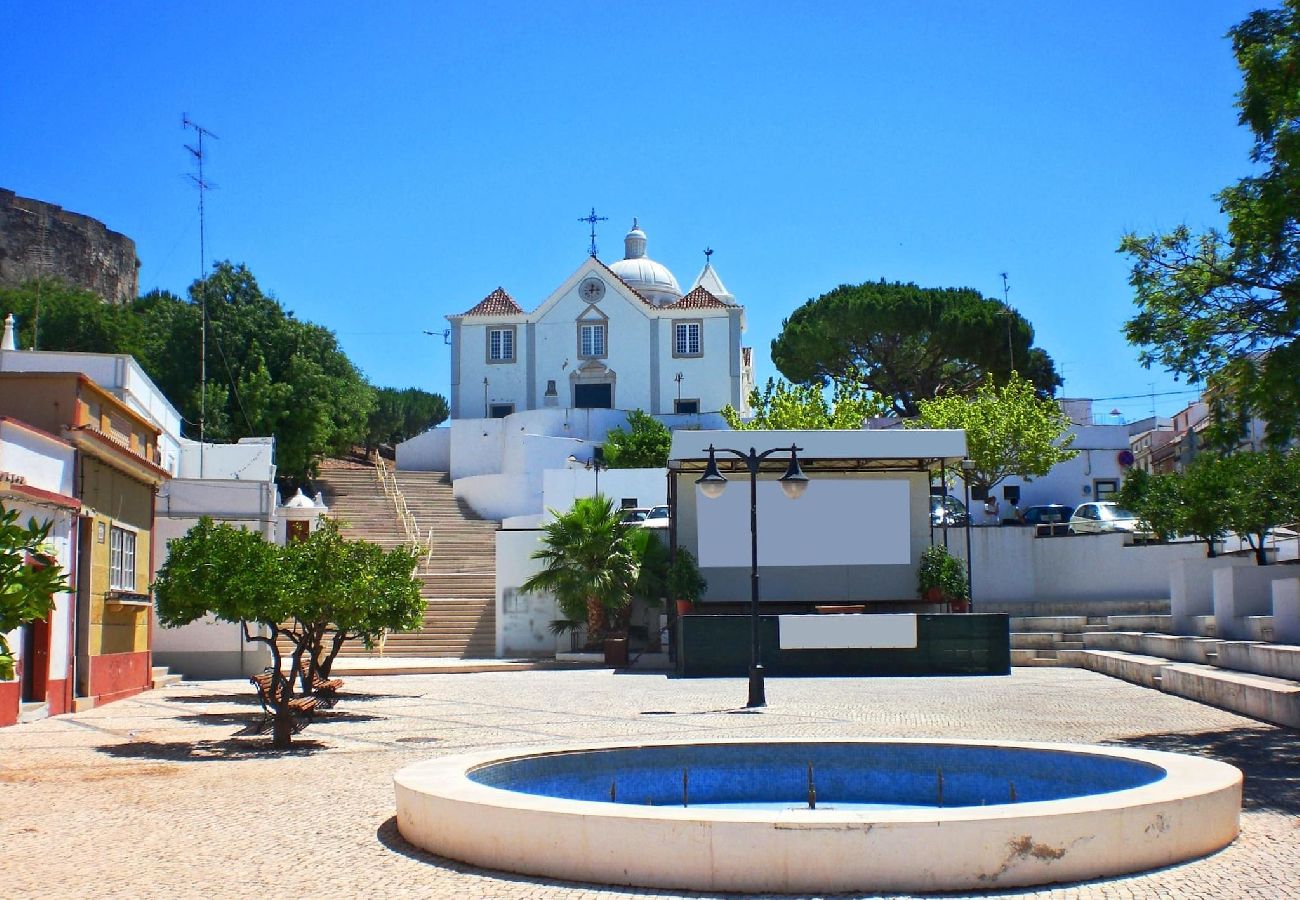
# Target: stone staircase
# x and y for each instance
(1254, 678)
(458, 574)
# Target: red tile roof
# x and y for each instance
(497, 303)
(698, 299)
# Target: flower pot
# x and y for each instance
(933, 595)
(616, 653)
(684, 607)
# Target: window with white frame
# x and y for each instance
(121, 559)
(591, 339)
(501, 345)
(686, 339)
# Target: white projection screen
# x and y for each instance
(838, 522)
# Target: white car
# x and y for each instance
(1095, 518)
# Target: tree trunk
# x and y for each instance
(595, 623)
(1261, 554)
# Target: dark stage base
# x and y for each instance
(957, 644)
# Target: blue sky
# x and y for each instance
(383, 165)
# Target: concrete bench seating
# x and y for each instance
(1161, 624)
(1263, 697)
(1035, 640)
(1286, 610)
(1071, 624)
(1131, 667)
(1276, 660)
(1181, 648)
(1242, 595)
(1123, 641)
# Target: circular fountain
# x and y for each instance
(820, 816)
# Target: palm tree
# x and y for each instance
(590, 566)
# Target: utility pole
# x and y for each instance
(197, 152)
(1006, 303)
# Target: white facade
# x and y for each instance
(612, 337)
(36, 478)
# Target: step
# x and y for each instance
(33, 711)
(1275, 660)
(1205, 626)
(1259, 628)
(1263, 697)
(1029, 658)
(1179, 647)
(1162, 624)
(1131, 667)
(161, 677)
(1048, 623)
(1034, 640)
(1122, 641)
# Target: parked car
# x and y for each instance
(947, 510)
(1047, 514)
(658, 517)
(1095, 518)
(634, 515)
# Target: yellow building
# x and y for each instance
(117, 475)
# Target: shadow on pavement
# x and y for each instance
(1265, 754)
(196, 751)
(244, 699)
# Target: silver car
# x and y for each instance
(1102, 516)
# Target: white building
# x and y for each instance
(609, 337)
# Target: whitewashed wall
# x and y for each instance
(523, 620)
(1071, 482)
(427, 452)
(649, 487)
(1010, 564)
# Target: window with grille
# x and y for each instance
(686, 339)
(591, 340)
(501, 345)
(121, 559)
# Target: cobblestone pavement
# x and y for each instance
(160, 795)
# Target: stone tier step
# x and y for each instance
(1264, 697)
(161, 677)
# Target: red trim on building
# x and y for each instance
(27, 492)
(114, 676)
(58, 694)
(39, 432)
(9, 694)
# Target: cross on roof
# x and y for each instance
(593, 219)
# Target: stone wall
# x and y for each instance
(41, 240)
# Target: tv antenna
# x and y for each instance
(204, 186)
(1006, 291)
(445, 334)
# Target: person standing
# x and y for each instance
(992, 511)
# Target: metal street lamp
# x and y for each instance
(793, 483)
(967, 468)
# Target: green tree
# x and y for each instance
(908, 343)
(588, 565)
(26, 591)
(313, 595)
(800, 407)
(398, 415)
(1156, 499)
(1204, 491)
(644, 445)
(54, 316)
(1264, 493)
(1010, 430)
(1223, 309)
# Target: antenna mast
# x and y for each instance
(1006, 302)
(203, 186)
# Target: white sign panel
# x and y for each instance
(837, 522)
(848, 632)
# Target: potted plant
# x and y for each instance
(941, 578)
(685, 583)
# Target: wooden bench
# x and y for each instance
(300, 707)
(325, 690)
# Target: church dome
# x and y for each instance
(650, 278)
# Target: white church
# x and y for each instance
(621, 336)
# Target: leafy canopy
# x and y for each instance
(644, 445)
(26, 591)
(1223, 309)
(782, 405)
(589, 565)
(1010, 430)
(268, 371)
(908, 343)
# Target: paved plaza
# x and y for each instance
(165, 795)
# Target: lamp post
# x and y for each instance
(596, 463)
(967, 467)
(793, 483)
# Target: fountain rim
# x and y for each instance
(1185, 777)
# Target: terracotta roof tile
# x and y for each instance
(698, 299)
(497, 303)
